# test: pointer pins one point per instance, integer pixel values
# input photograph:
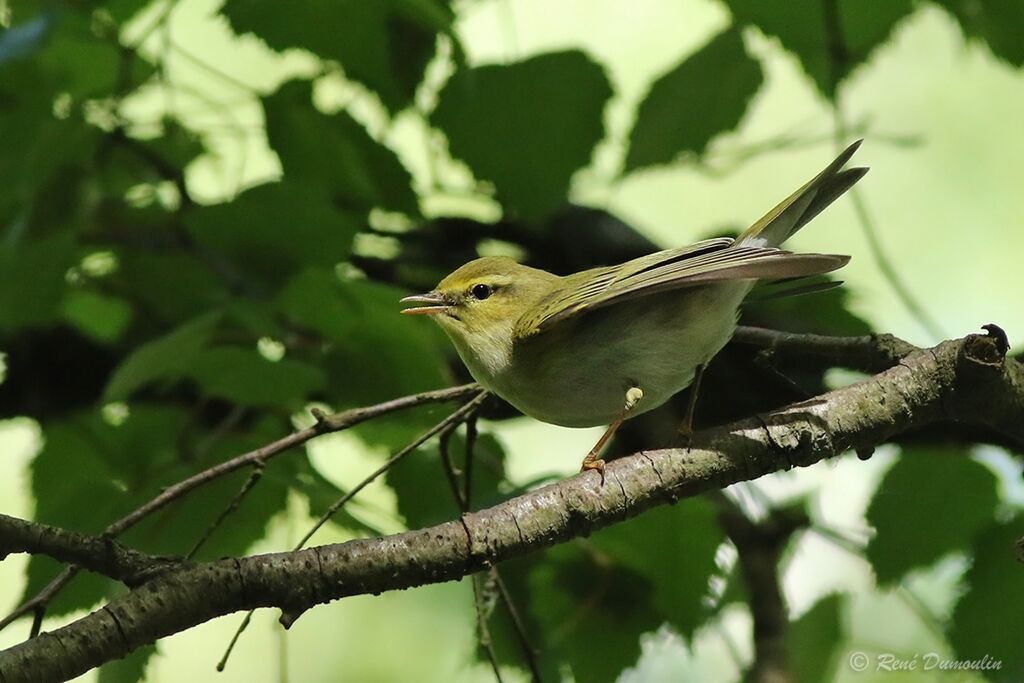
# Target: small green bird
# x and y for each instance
(601, 345)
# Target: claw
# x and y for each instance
(592, 462)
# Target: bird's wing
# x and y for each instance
(713, 260)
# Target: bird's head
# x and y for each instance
(479, 304)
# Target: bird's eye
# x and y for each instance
(480, 292)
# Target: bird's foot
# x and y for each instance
(592, 462)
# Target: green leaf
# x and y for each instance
(526, 127)
(129, 162)
(170, 286)
(826, 312)
(997, 22)
(130, 669)
(98, 316)
(44, 164)
(705, 95)
(989, 618)
(592, 614)
(88, 474)
(167, 357)
(86, 64)
(828, 46)
(375, 353)
(424, 495)
(273, 230)
(298, 474)
(335, 153)
(814, 638)
(32, 281)
(674, 549)
(244, 377)
(385, 44)
(930, 503)
(174, 530)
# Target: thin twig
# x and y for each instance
(917, 605)
(213, 70)
(518, 626)
(965, 380)
(37, 621)
(454, 419)
(254, 478)
(839, 61)
(483, 631)
(467, 483)
(463, 501)
(450, 472)
(325, 424)
(234, 639)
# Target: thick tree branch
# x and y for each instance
(964, 380)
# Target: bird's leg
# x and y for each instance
(593, 461)
(686, 429)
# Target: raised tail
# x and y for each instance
(799, 208)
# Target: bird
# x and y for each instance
(603, 345)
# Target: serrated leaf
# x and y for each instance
(87, 474)
(167, 357)
(174, 530)
(32, 282)
(384, 44)
(930, 503)
(86, 65)
(424, 494)
(98, 316)
(592, 615)
(989, 618)
(703, 96)
(812, 640)
(375, 353)
(826, 312)
(90, 473)
(244, 377)
(273, 230)
(335, 153)
(997, 22)
(674, 549)
(170, 286)
(527, 126)
(298, 474)
(829, 47)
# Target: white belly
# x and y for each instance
(652, 342)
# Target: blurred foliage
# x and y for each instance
(135, 320)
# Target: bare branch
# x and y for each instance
(869, 353)
(325, 424)
(965, 380)
(288, 617)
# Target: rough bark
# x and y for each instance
(965, 380)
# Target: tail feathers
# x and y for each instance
(799, 208)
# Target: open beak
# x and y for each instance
(434, 303)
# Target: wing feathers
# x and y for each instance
(753, 256)
(666, 271)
